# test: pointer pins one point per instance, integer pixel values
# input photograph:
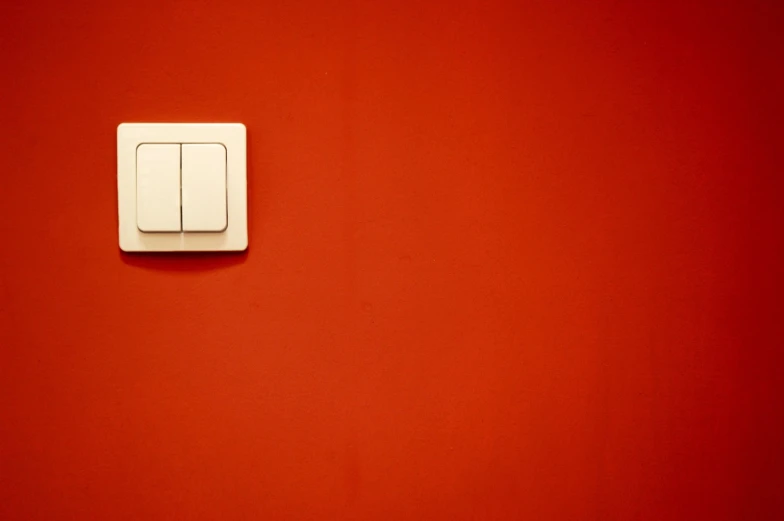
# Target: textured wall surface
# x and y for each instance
(507, 261)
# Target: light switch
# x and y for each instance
(187, 179)
(204, 188)
(158, 188)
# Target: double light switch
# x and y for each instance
(181, 187)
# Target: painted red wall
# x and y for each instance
(507, 261)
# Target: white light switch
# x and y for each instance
(204, 187)
(158, 188)
(186, 183)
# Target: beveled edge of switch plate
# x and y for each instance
(233, 136)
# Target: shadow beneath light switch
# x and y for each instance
(184, 261)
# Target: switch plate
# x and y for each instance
(144, 198)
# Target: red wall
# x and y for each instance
(507, 261)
